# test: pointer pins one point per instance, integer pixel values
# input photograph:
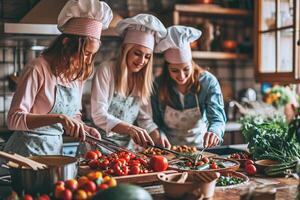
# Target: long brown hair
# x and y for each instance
(142, 80)
(61, 54)
(167, 82)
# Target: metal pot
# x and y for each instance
(42, 181)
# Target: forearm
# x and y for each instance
(39, 120)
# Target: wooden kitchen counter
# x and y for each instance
(287, 189)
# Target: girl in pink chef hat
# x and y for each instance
(121, 93)
(47, 101)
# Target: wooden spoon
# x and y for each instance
(22, 161)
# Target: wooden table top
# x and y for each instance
(286, 188)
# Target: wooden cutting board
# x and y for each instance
(137, 179)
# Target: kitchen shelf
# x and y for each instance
(219, 55)
(211, 10)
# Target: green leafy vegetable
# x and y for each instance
(268, 138)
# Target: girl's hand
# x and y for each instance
(92, 131)
(139, 135)
(210, 139)
(72, 127)
(160, 139)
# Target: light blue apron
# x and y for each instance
(180, 122)
(125, 109)
(47, 140)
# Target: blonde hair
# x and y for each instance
(167, 83)
(142, 80)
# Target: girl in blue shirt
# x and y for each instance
(187, 103)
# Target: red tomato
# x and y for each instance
(90, 186)
(249, 162)
(91, 155)
(71, 184)
(214, 165)
(27, 197)
(103, 186)
(60, 183)
(99, 154)
(44, 197)
(120, 170)
(81, 195)
(67, 194)
(94, 164)
(103, 163)
(158, 163)
(205, 159)
(58, 191)
(134, 163)
(135, 169)
(250, 169)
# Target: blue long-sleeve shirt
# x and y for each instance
(210, 102)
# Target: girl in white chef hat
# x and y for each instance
(48, 97)
(187, 103)
(121, 93)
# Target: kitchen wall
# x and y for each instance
(234, 75)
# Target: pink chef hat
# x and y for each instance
(142, 29)
(84, 17)
(176, 46)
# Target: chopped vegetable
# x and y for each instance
(229, 180)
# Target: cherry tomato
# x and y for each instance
(103, 186)
(90, 186)
(103, 163)
(71, 184)
(91, 155)
(58, 191)
(112, 182)
(189, 164)
(158, 163)
(205, 159)
(60, 183)
(200, 163)
(44, 197)
(82, 180)
(250, 169)
(27, 197)
(214, 165)
(94, 164)
(135, 169)
(249, 162)
(66, 194)
(99, 154)
(81, 195)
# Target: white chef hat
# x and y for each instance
(84, 17)
(176, 46)
(142, 29)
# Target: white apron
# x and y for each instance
(179, 122)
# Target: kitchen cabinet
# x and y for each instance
(192, 14)
(276, 35)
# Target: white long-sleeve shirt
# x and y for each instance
(101, 97)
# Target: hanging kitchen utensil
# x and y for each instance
(22, 161)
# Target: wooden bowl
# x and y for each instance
(179, 190)
(261, 165)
